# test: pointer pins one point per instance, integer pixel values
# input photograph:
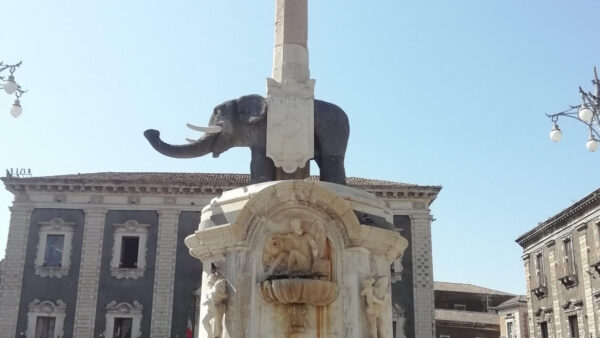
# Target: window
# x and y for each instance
(568, 275)
(122, 327)
(569, 255)
(461, 307)
(54, 250)
(44, 327)
(397, 269)
(123, 320)
(573, 326)
(539, 269)
(53, 257)
(129, 250)
(509, 329)
(46, 319)
(544, 329)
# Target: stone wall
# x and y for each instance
(46, 288)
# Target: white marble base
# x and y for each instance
(235, 229)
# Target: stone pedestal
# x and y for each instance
(290, 259)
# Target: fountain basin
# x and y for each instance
(299, 291)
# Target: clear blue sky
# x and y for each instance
(438, 92)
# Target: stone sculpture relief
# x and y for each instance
(298, 267)
(216, 302)
(301, 252)
(377, 297)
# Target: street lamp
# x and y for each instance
(11, 87)
(588, 113)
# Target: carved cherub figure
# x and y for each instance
(301, 257)
(216, 302)
(376, 296)
(299, 251)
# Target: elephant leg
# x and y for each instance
(262, 168)
(332, 169)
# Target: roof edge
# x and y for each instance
(560, 219)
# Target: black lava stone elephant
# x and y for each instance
(243, 123)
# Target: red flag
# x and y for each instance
(189, 332)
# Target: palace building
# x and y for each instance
(562, 270)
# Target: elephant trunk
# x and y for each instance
(197, 149)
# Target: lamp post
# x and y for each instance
(10, 86)
(588, 113)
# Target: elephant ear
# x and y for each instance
(252, 108)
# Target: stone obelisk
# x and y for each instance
(290, 93)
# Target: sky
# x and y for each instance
(450, 93)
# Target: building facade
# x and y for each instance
(561, 257)
(102, 254)
(514, 318)
(467, 311)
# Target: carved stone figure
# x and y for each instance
(242, 123)
(377, 297)
(216, 302)
(299, 252)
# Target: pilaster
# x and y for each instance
(164, 275)
(89, 272)
(587, 284)
(14, 262)
(556, 309)
(422, 275)
(530, 319)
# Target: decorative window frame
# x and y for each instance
(46, 308)
(56, 226)
(541, 289)
(124, 310)
(130, 228)
(596, 297)
(510, 320)
(543, 315)
(396, 270)
(399, 320)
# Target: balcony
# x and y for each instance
(540, 290)
(596, 259)
(568, 275)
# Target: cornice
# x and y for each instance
(562, 219)
(18, 186)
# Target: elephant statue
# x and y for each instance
(242, 123)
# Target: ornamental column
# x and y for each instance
(290, 93)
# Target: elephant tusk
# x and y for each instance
(191, 140)
(208, 130)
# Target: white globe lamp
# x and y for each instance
(10, 86)
(592, 144)
(555, 134)
(16, 109)
(585, 114)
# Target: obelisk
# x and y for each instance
(290, 93)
